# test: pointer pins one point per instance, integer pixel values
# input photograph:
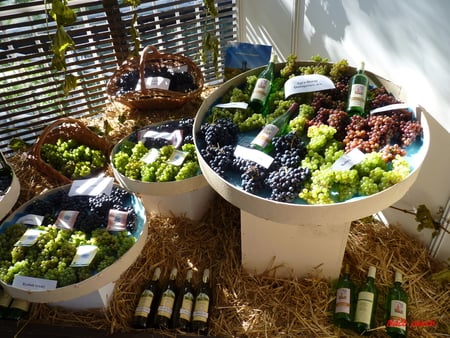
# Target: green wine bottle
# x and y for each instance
(5, 300)
(185, 303)
(18, 309)
(167, 302)
(345, 299)
(277, 127)
(202, 306)
(397, 302)
(366, 304)
(262, 87)
(145, 309)
(359, 84)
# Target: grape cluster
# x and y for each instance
(286, 183)
(127, 82)
(221, 133)
(220, 159)
(72, 159)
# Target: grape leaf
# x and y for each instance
(425, 220)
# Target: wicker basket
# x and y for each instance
(65, 128)
(154, 98)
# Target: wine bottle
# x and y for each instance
(366, 304)
(397, 302)
(277, 127)
(145, 309)
(167, 302)
(18, 309)
(262, 87)
(5, 300)
(345, 298)
(6, 175)
(202, 305)
(358, 92)
(185, 303)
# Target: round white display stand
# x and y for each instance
(95, 291)
(297, 237)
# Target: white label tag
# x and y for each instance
(177, 157)
(31, 219)
(395, 106)
(29, 237)
(175, 137)
(117, 220)
(346, 161)
(254, 155)
(66, 219)
(84, 256)
(34, 284)
(154, 82)
(307, 83)
(151, 156)
(92, 186)
(239, 105)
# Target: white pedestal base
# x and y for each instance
(296, 249)
(98, 299)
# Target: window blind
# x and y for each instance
(30, 91)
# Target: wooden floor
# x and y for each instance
(13, 329)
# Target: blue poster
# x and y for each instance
(242, 56)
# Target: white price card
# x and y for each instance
(33, 283)
(390, 107)
(346, 161)
(31, 219)
(175, 137)
(177, 157)
(92, 186)
(254, 155)
(238, 105)
(307, 83)
(29, 237)
(151, 156)
(84, 255)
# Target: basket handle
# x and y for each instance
(142, 64)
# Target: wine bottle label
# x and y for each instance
(186, 306)
(20, 304)
(343, 300)
(200, 313)
(398, 313)
(265, 135)
(144, 304)
(5, 299)
(166, 305)
(364, 306)
(357, 96)
(261, 91)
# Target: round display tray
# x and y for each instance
(92, 284)
(8, 200)
(188, 197)
(301, 213)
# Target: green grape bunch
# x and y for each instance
(72, 159)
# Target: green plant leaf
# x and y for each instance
(17, 144)
(70, 82)
(425, 220)
(62, 14)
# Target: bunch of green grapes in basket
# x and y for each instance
(72, 159)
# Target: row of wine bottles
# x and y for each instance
(358, 310)
(184, 308)
(12, 308)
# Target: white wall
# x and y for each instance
(405, 41)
